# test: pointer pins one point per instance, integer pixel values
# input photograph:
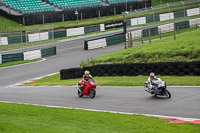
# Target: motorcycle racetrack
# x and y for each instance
(183, 103)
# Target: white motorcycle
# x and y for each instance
(157, 88)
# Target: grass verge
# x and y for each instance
(19, 118)
(185, 48)
(17, 63)
(120, 81)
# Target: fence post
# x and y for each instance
(149, 36)
(99, 13)
(142, 37)
(23, 21)
(43, 19)
(53, 34)
(114, 10)
(21, 40)
(128, 39)
(183, 8)
(137, 17)
(1, 42)
(168, 10)
(131, 43)
(40, 37)
(26, 38)
(81, 16)
(174, 32)
(63, 18)
(160, 33)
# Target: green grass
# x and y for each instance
(17, 63)
(19, 118)
(185, 48)
(158, 2)
(120, 81)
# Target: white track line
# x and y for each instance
(150, 115)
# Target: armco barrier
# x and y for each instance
(116, 39)
(28, 55)
(104, 41)
(135, 69)
(180, 13)
(12, 57)
(91, 28)
(152, 18)
(153, 31)
(182, 25)
(48, 52)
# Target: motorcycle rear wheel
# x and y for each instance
(92, 93)
(167, 93)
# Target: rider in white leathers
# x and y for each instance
(151, 80)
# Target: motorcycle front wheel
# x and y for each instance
(80, 94)
(92, 93)
(167, 93)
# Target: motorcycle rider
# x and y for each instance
(86, 77)
(151, 80)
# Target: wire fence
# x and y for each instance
(140, 35)
(169, 10)
(26, 39)
(167, 6)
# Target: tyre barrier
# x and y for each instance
(135, 69)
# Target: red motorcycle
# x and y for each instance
(89, 90)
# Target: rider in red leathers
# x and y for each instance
(86, 77)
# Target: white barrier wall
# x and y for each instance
(44, 36)
(102, 27)
(134, 21)
(0, 59)
(136, 34)
(137, 21)
(194, 22)
(4, 41)
(97, 43)
(30, 55)
(142, 20)
(166, 16)
(192, 12)
(33, 37)
(166, 28)
(75, 31)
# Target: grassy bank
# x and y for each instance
(19, 118)
(120, 81)
(185, 48)
(159, 2)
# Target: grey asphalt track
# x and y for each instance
(184, 101)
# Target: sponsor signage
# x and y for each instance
(113, 25)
